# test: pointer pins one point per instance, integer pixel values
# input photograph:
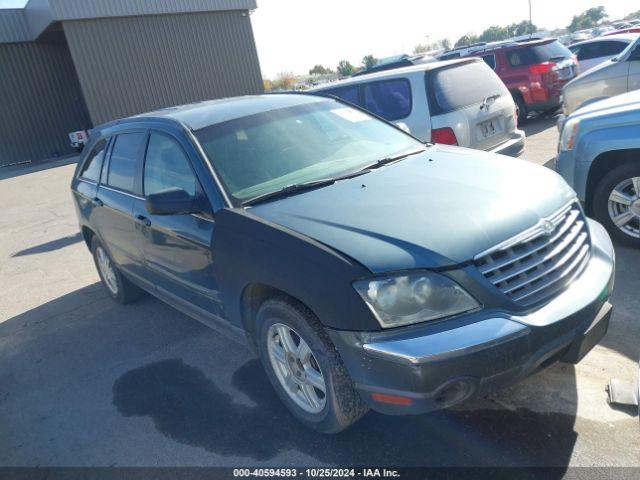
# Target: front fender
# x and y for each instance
(248, 249)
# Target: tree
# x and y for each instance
(369, 61)
(345, 68)
(320, 70)
(267, 84)
(284, 81)
(467, 39)
(493, 34)
(444, 43)
(632, 15)
(587, 19)
(525, 27)
(420, 48)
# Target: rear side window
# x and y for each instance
(538, 54)
(167, 166)
(462, 85)
(350, 94)
(612, 48)
(389, 99)
(93, 165)
(124, 157)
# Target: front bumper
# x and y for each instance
(512, 147)
(437, 364)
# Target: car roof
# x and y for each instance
(423, 67)
(199, 115)
(626, 37)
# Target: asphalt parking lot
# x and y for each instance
(86, 382)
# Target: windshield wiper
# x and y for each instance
(387, 160)
(300, 187)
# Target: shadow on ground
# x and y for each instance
(50, 246)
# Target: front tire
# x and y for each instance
(118, 287)
(305, 368)
(616, 203)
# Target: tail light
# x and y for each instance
(444, 136)
(542, 68)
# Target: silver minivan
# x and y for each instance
(457, 102)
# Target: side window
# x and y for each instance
(390, 99)
(514, 59)
(350, 94)
(589, 51)
(93, 165)
(490, 60)
(166, 166)
(124, 156)
(612, 48)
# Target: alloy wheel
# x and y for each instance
(296, 368)
(624, 206)
(107, 271)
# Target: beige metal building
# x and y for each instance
(67, 65)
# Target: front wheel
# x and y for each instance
(616, 203)
(304, 367)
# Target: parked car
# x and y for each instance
(597, 50)
(624, 30)
(435, 103)
(581, 35)
(599, 156)
(613, 77)
(367, 269)
(534, 71)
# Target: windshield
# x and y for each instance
(266, 152)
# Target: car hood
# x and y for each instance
(436, 209)
(623, 102)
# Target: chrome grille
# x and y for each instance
(539, 263)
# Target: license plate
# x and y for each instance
(489, 128)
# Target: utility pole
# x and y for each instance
(530, 13)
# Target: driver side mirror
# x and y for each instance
(173, 201)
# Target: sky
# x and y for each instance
(295, 35)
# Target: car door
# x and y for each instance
(177, 249)
(116, 193)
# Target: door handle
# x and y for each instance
(143, 220)
(97, 202)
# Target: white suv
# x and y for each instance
(457, 102)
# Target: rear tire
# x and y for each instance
(523, 112)
(625, 180)
(282, 321)
(117, 286)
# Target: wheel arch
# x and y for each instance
(254, 295)
(602, 164)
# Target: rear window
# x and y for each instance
(459, 86)
(538, 54)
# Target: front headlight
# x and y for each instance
(569, 134)
(412, 298)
